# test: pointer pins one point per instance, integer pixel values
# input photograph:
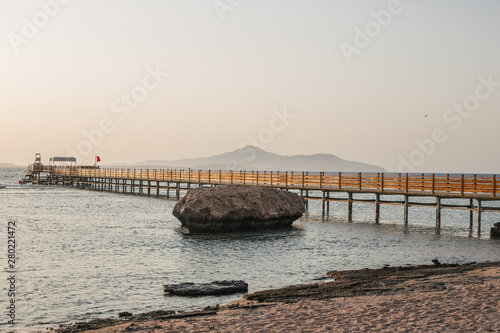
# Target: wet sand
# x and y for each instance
(439, 298)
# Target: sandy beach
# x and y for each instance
(456, 298)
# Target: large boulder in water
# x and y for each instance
(236, 208)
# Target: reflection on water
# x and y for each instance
(85, 254)
(252, 236)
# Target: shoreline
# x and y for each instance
(390, 295)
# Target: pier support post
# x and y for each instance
(328, 204)
(377, 208)
(323, 200)
(479, 209)
(307, 200)
(406, 209)
(438, 213)
(349, 206)
(471, 214)
(149, 187)
(157, 188)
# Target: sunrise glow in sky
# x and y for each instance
(400, 84)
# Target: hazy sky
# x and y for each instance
(413, 85)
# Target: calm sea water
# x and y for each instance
(84, 254)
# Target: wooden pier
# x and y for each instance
(475, 189)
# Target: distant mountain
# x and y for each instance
(255, 158)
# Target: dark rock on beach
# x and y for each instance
(236, 208)
(495, 230)
(204, 289)
(381, 281)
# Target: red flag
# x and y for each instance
(98, 159)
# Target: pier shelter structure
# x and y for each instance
(40, 174)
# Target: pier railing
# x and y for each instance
(424, 184)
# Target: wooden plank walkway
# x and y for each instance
(478, 188)
(453, 186)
